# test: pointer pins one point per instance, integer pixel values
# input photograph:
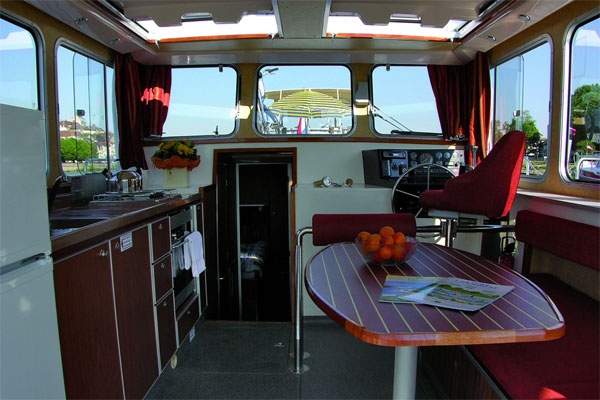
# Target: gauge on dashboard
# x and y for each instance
(438, 155)
(426, 158)
(413, 155)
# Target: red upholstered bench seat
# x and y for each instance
(564, 368)
(567, 367)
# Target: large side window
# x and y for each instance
(87, 125)
(304, 100)
(19, 83)
(522, 102)
(203, 102)
(403, 101)
(582, 135)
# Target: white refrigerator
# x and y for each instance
(30, 361)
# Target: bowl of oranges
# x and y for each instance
(386, 246)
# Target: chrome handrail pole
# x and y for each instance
(298, 338)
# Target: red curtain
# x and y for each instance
(463, 100)
(142, 94)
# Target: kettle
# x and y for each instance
(124, 181)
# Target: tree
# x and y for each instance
(534, 143)
(72, 149)
(582, 97)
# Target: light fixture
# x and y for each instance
(491, 38)
(406, 18)
(524, 17)
(361, 96)
(80, 21)
(115, 41)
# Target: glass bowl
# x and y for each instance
(389, 254)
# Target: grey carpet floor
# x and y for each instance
(244, 360)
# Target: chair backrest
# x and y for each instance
(490, 188)
(334, 228)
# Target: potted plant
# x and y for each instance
(176, 154)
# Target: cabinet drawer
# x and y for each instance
(161, 238)
(163, 278)
(187, 318)
(167, 341)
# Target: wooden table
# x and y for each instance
(347, 289)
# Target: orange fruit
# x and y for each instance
(375, 236)
(387, 240)
(376, 257)
(363, 236)
(398, 252)
(399, 238)
(373, 244)
(385, 253)
(363, 247)
(386, 231)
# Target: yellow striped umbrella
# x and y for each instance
(310, 104)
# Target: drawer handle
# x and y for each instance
(162, 266)
(103, 253)
(165, 304)
(160, 227)
(117, 245)
(189, 312)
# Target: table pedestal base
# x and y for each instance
(405, 372)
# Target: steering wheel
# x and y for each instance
(413, 182)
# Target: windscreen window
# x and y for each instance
(403, 101)
(522, 102)
(582, 136)
(203, 102)
(86, 118)
(304, 100)
(18, 66)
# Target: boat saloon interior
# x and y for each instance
(328, 199)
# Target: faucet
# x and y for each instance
(52, 191)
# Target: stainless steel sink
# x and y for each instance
(61, 226)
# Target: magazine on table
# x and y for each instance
(396, 287)
(455, 293)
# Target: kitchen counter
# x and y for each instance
(74, 229)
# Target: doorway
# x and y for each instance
(254, 231)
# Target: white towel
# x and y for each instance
(194, 253)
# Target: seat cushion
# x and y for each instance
(572, 240)
(563, 368)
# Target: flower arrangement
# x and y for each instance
(176, 154)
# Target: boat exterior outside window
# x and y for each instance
(304, 100)
(87, 122)
(203, 102)
(581, 136)
(403, 102)
(522, 88)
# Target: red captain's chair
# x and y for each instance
(488, 191)
(334, 228)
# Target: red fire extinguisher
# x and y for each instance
(508, 248)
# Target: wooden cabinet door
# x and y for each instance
(135, 311)
(165, 318)
(87, 327)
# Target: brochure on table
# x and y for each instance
(454, 293)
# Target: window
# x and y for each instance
(203, 102)
(403, 101)
(582, 136)
(522, 102)
(18, 66)
(304, 100)
(86, 118)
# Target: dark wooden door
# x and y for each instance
(87, 327)
(135, 311)
(227, 275)
(207, 223)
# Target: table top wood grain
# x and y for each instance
(347, 288)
